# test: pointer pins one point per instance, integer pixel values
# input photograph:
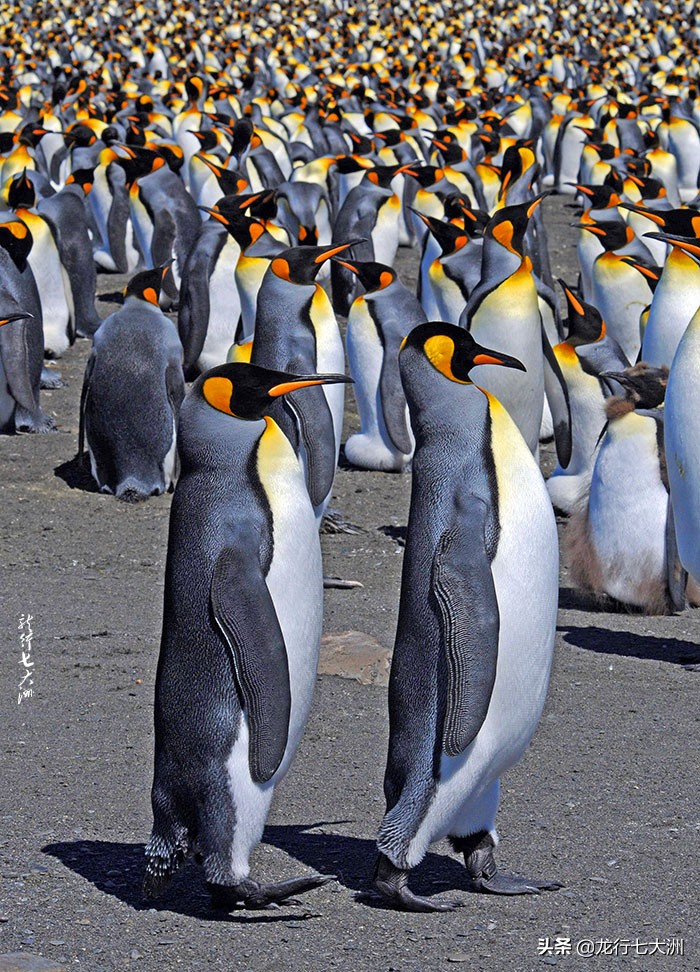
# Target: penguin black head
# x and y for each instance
(381, 175)
(231, 181)
(508, 225)
(677, 222)
(584, 323)
(449, 237)
(173, 155)
(147, 284)
(82, 177)
(599, 196)
(452, 350)
(17, 241)
(612, 235)
(80, 135)
(247, 391)
(301, 264)
(644, 384)
(688, 244)
(648, 270)
(517, 159)
(21, 193)
(373, 276)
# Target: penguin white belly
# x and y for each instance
(100, 202)
(330, 358)
(50, 280)
(449, 299)
(249, 275)
(385, 234)
(371, 448)
(295, 583)
(224, 309)
(676, 300)
(142, 229)
(627, 519)
(682, 439)
(527, 602)
(170, 463)
(620, 297)
(508, 320)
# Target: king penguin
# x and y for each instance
(132, 391)
(378, 322)
(475, 636)
(241, 629)
(296, 329)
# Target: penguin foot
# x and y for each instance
(392, 883)
(479, 859)
(333, 522)
(38, 421)
(253, 895)
(50, 379)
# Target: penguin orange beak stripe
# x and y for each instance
(348, 266)
(688, 246)
(485, 359)
(575, 303)
(16, 317)
(335, 249)
(289, 386)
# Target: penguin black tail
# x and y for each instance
(163, 860)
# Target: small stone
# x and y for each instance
(354, 655)
(167, 941)
(458, 957)
(83, 921)
(57, 941)
(134, 954)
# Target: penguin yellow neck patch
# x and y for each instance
(217, 392)
(439, 350)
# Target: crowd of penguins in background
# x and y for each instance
(254, 168)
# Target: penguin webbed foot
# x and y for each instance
(33, 422)
(50, 379)
(480, 862)
(392, 883)
(252, 895)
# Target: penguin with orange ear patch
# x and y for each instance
(241, 630)
(132, 391)
(296, 330)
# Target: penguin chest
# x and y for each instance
(682, 441)
(508, 320)
(224, 307)
(52, 284)
(675, 301)
(142, 226)
(295, 576)
(627, 510)
(249, 275)
(330, 356)
(385, 235)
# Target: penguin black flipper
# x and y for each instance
(462, 576)
(238, 591)
(676, 575)
(557, 393)
(393, 400)
(84, 396)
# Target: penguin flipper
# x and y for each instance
(557, 393)
(315, 422)
(676, 575)
(393, 401)
(466, 595)
(84, 397)
(238, 595)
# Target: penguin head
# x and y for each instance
(517, 159)
(449, 237)
(147, 284)
(688, 244)
(247, 391)
(301, 264)
(598, 196)
(452, 351)
(508, 225)
(612, 235)
(173, 155)
(644, 384)
(584, 323)
(17, 241)
(82, 177)
(381, 175)
(21, 193)
(244, 229)
(231, 182)
(677, 222)
(373, 276)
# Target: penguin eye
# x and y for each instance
(218, 392)
(439, 350)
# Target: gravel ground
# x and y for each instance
(606, 799)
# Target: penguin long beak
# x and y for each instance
(331, 251)
(16, 317)
(689, 244)
(485, 356)
(306, 381)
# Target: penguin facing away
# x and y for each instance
(468, 681)
(241, 630)
(131, 396)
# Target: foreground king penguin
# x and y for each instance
(476, 621)
(241, 632)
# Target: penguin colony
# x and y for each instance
(254, 169)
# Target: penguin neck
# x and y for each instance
(433, 415)
(498, 263)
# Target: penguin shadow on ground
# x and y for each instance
(76, 474)
(117, 869)
(631, 645)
